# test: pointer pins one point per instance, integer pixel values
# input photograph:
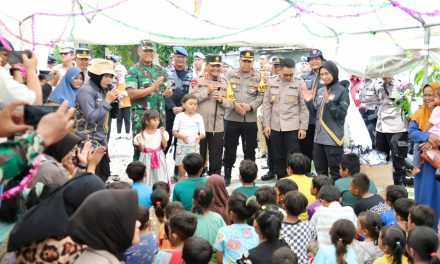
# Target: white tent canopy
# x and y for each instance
(373, 38)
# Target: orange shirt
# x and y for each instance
(162, 240)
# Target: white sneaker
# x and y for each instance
(128, 136)
(119, 136)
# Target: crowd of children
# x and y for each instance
(300, 220)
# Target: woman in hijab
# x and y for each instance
(426, 184)
(67, 88)
(56, 165)
(221, 196)
(107, 223)
(331, 104)
(41, 234)
(92, 118)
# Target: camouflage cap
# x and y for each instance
(147, 45)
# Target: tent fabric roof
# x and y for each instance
(343, 29)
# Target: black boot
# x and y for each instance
(269, 176)
(228, 172)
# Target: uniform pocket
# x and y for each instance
(292, 97)
(274, 95)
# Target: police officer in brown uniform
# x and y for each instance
(270, 163)
(210, 91)
(241, 120)
(285, 114)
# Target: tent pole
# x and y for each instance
(425, 52)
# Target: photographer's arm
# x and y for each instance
(33, 83)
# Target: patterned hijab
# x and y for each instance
(421, 116)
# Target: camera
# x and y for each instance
(34, 113)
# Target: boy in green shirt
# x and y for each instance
(349, 166)
(248, 173)
(183, 190)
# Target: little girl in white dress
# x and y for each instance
(150, 141)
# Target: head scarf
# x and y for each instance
(421, 116)
(62, 147)
(221, 196)
(96, 79)
(331, 67)
(65, 90)
(106, 221)
(49, 219)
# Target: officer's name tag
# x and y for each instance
(293, 87)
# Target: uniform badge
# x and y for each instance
(272, 98)
(331, 97)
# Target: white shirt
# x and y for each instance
(152, 141)
(190, 126)
(13, 91)
(324, 217)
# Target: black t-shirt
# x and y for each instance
(262, 253)
(374, 203)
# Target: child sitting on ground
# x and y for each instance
(317, 183)
(349, 166)
(330, 212)
(298, 165)
(235, 239)
(180, 226)
(136, 171)
(282, 187)
(143, 252)
(421, 215)
(248, 173)
(154, 221)
(196, 250)
(359, 187)
(393, 192)
(368, 226)
(184, 189)
(267, 225)
(422, 245)
(392, 240)
(401, 211)
(297, 233)
(342, 235)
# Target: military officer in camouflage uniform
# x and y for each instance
(210, 91)
(180, 76)
(146, 89)
(241, 120)
(285, 114)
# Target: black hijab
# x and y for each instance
(62, 147)
(96, 79)
(106, 221)
(331, 67)
(49, 218)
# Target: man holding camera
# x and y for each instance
(146, 89)
(180, 76)
(211, 91)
